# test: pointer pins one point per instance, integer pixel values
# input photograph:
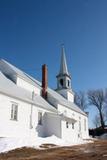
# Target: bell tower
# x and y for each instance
(64, 78)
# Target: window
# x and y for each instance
(61, 82)
(78, 135)
(67, 125)
(72, 125)
(68, 83)
(14, 111)
(40, 118)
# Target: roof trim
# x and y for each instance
(27, 101)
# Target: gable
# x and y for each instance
(19, 77)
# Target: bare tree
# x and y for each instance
(96, 121)
(97, 99)
(106, 105)
(80, 100)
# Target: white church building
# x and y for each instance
(30, 108)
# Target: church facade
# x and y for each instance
(29, 108)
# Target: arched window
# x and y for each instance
(61, 82)
(68, 83)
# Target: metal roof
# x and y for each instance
(11, 70)
(58, 99)
(8, 88)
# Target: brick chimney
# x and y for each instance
(44, 81)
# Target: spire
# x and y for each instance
(63, 78)
(63, 65)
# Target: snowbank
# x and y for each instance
(103, 136)
(7, 144)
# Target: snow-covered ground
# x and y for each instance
(103, 136)
(7, 144)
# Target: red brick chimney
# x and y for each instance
(44, 81)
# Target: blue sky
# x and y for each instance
(31, 32)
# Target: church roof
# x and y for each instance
(10, 89)
(11, 70)
(7, 86)
(56, 98)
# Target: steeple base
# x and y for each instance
(67, 94)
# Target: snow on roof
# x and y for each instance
(7, 87)
(61, 100)
(9, 69)
(55, 97)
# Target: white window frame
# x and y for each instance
(14, 111)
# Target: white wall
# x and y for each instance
(21, 127)
(23, 84)
(68, 95)
(69, 133)
(53, 125)
(10, 127)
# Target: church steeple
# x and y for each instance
(63, 65)
(63, 78)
